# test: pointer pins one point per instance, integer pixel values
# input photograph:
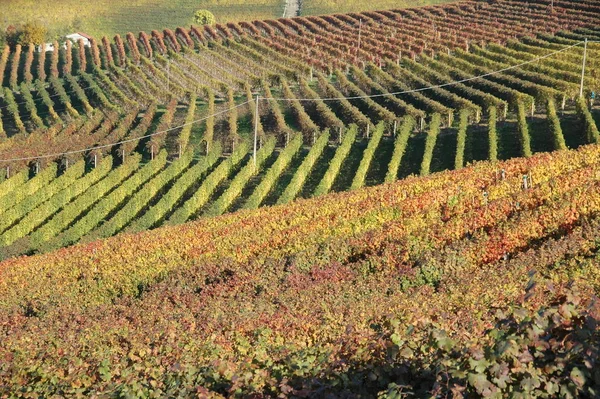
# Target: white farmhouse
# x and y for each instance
(73, 37)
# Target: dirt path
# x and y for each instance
(292, 8)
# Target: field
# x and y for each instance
(142, 89)
(317, 7)
(107, 17)
(153, 312)
(307, 208)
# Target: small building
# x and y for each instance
(74, 37)
(49, 47)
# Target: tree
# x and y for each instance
(32, 33)
(12, 36)
(204, 17)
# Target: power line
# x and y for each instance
(56, 155)
(258, 98)
(434, 86)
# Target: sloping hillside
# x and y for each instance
(310, 297)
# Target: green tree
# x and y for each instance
(204, 17)
(32, 33)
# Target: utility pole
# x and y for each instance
(168, 75)
(359, 37)
(256, 116)
(583, 67)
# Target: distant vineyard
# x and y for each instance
(144, 92)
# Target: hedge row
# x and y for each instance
(299, 179)
(73, 210)
(46, 191)
(492, 133)
(336, 162)
(169, 200)
(44, 211)
(591, 130)
(107, 204)
(461, 138)
(432, 134)
(201, 197)
(30, 106)
(554, 125)
(13, 109)
(523, 128)
(184, 136)
(365, 162)
(274, 172)
(406, 128)
(240, 181)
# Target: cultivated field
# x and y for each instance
(140, 90)
(316, 7)
(384, 203)
(109, 17)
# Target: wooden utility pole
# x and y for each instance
(168, 75)
(583, 67)
(359, 37)
(256, 116)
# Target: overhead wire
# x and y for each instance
(259, 98)
(98, 147)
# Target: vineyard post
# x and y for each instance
(395, 128)
(95, 161)
(256, 116)
(8, 172)
(179, 151)
(123, 155)
(583, 67)
(368, 128)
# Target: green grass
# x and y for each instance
(109, 17)
(316, 7)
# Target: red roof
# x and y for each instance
(85, 35)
